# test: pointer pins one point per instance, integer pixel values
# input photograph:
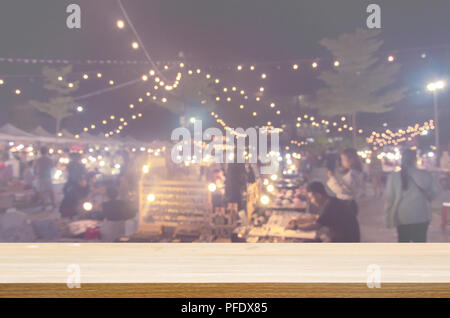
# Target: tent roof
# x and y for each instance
(42, 132)
(9, 129)
(11, 132)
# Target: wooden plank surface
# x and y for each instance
(224, 263)
(226, 290)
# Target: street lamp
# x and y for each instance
(434, 87)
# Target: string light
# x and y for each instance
(120, 24)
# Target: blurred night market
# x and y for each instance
(355, 119)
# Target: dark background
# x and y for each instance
(218, 35)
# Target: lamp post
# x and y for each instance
(434, 87)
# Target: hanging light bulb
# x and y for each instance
(120, 24)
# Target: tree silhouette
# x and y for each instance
(193, 93)
(58, 106)
(362, 82)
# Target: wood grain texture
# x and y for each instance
(213, 263)
(257, 290)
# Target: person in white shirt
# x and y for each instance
(408, 198)
(351, 185)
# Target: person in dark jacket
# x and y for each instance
(334, 214)
(115, 209)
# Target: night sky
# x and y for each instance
(217, 35)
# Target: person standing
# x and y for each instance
(408, 197)
(44, 166)
(75, 169)
(235, 182)
(376, 175)
(350, 187)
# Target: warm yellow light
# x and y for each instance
(391, 58)
(241, 106)
(295, 66)
(131, 106)
(212, 187)
(270, 188)
(239, 67)
(18, 92)
(336, 63)
(265, 200)
(120, 24)
(145, 169)
(151, 197)
(144, 78)
(314, 65)
(99, 75)
(87, 206)
(135, 45)
(85, 76)
(263, 75)
(111, 82)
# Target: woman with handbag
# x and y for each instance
(408, 194)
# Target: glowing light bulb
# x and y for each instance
(120, 24)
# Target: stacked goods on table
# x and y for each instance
(16, 194)
(294, 198)
(275, 228)
(181, 209)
